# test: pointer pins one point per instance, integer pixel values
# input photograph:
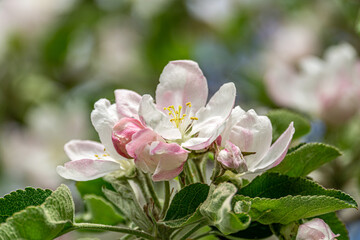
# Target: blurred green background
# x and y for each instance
(58, 57)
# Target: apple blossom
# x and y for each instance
(329, 89)
(315, 229)
(247, 143)
(180, 114)
(91, 160)
(154, 135)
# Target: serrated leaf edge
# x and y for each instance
(316, 185)
(62, 186)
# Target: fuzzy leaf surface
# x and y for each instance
(282, 199)
(20, 199)
(306, 159)
(218, 211)
(184, 206)
(126, 201)
(46, 221)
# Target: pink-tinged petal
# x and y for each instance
(231, 158)
(139, 149)
(170, 159)
(127, 103)
(252, 133)
(104, 117)
(84, 149)
(277, 151)
(235, 115)
(212, 118)
(123, 132)
(151, 117)
(315, 229)
(87, 169)
(181, 82)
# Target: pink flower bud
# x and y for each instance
(123, 132)
(315, 229)
(231, 158)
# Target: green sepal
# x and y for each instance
(218, 211)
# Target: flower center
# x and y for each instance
(181, 120)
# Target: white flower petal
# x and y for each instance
(104, 117)
(127, 103)
(87, 169)
(277, 151)
(233, 119)
(182, 82)
(252, 133)
(85, 149)
(151, 117)
(212, 118)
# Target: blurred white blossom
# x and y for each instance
(30, 154)
(328, 89)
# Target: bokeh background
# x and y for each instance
(58, 57)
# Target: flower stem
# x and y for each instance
(167, 198)
(198, 166)
(93, 226)
(193, 230)
(189, 175)
(153, 195)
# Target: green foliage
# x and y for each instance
(50, 219)
(183, 209)
(281, 199)
(20, 199)
(306, 159)
(280, 120)
(100, 211)
(217, 209)
(254, 231)
(336, 225)
(93, 187)
(124, 198)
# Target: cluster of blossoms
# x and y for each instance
(328, 89)
(159, 136)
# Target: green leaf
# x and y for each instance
(217, 209)
(93, 187)
(20, 199)
(183, 209)
(306, 159)
(282, 199)
(100, 211)
(336, 225)
(46, 221)
(126, 201)
(280, 120)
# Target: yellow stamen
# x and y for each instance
(176, 115)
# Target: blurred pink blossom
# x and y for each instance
(328, 89)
